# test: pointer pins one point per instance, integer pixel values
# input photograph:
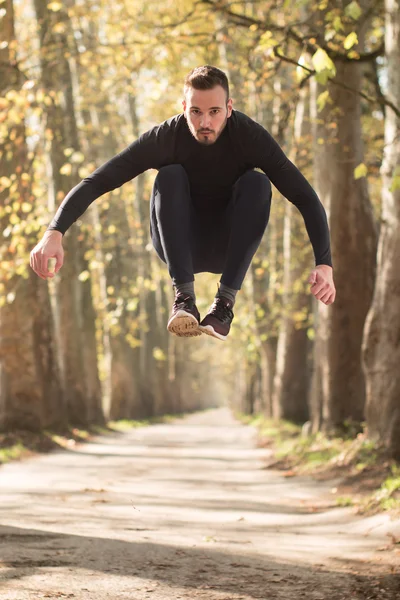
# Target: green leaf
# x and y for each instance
(322, 77)
(322, 62)
(324, 66)
(360, 171)
(323, 99)
(311, 333)
(337, 24)
(353, 10)
(396, 181)
(267, 41)
(351, 40)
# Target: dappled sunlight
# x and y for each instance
(156, 505)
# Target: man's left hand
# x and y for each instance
(322, 286)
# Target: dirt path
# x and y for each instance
(184, 510)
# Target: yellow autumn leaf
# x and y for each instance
(132, 305)
(54, 6)
(158, 354)
(66, 169)
(26, 207)
(59, 28)
(351, 40)
(5, 182)
(84, 172)
(353, 10)
(322, 62)
(14, 219)
(84, 276)
(360, 171)
(323, 99)
(77, 157)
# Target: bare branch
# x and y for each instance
(304, 41)
(311, 72)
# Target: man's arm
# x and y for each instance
(145, 153)
(141, 155)
(285, 176)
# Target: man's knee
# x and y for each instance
(171, 175)
(255, 183)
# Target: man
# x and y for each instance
(209, 207)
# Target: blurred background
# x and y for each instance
(79, 81)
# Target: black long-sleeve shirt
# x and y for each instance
(212, 171)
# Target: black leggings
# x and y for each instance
(215, 243)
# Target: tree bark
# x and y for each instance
(30, 388)
(77, 338)
(291, 381)
(340, 385)
(381, 348)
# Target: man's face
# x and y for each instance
(207, 112)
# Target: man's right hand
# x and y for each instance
(50, 246)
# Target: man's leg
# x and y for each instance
(249, 212)
(171, 231)
(246, 219)
(170, 226)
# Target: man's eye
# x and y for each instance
(215, 112)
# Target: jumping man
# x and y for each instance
(209, 207)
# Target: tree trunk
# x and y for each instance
(291, 382)
(30, 389)
(381, 349)
(155, 382)
(77, 337)
(339, 327)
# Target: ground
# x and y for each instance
(185, 510)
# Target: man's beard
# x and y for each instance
(206, 141)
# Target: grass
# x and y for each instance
(126, 424)
(371, 480)
(14, 452)
(387, 496)
(17, 445)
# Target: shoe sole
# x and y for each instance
(209, 330)
(183, 324)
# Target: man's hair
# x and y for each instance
(206, 78)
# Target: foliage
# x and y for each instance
(127, 62)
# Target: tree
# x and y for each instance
(339, 389)
(75, 315)
(30, 388)
(381, 348)
(292, 377)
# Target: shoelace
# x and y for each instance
(221, 310)
(181, 302)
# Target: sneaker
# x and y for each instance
(185, 317)
(217, 321)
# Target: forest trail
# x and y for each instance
(184, 510)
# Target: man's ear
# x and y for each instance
(229, 107)
(184, 105)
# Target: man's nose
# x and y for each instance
(205, 122)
